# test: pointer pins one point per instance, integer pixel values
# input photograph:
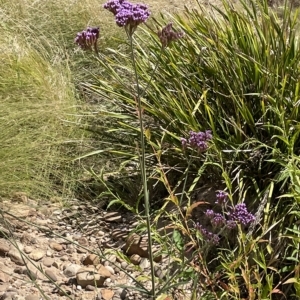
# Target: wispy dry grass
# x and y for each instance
(39, 72)
(36, 96)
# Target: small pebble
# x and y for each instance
(110, 269)
(90, 288)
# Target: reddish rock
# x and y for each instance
(91, 259)
(56, 246)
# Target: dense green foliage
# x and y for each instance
(236, 74)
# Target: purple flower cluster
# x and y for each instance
(237, 214)
(222, 197)
(216, 219)
(240, 214)
(87, 39)
(197, 140)
(127, 14)
(230, 224)
(209, 213)
(114, 5)
(209, 236)
(167, 35)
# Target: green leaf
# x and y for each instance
(177, 239)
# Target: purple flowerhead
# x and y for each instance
(209, 236)
(127, 14)
(240, 214)
(183, 142)
(114, 5)
(167, 35)
(209, 213)
(230, 224)
(87, 39)
(221, 197)
(197, 140)
(216, 219)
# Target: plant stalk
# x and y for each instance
(143, 169)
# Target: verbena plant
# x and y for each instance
(236, 73)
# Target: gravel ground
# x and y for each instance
(52, 249)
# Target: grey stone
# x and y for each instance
(145, 263)
(90, 287)
(48, 262)
(90, 276)
(71, 270)
(159, 272)
(124, 265)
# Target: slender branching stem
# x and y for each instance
(185, 180)
(143, 168)
(151, 77)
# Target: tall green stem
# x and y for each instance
(143, 168)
